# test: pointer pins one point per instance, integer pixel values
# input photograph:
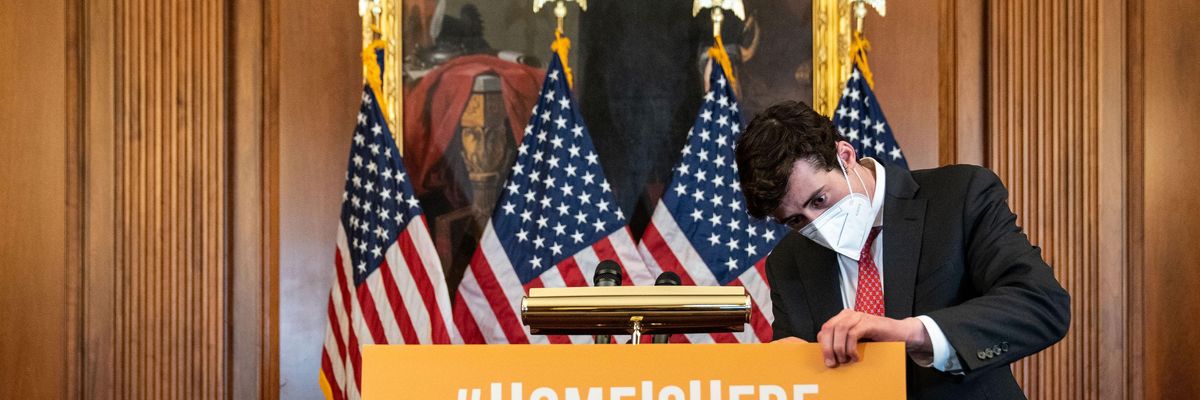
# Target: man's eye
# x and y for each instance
(819, 201)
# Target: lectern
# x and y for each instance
(773, 371)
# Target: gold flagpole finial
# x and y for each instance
(860, 11)
(560, 9)
(718, 13)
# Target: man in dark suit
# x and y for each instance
(932, 258)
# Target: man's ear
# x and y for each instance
(845, 151)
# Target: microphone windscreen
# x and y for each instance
(608, 272)
(667, 278)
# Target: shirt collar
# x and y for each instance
(880, 188)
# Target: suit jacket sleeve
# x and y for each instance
(781, 326)
(1019, 308)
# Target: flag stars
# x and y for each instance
(523, 236)
(509, 208)
(577, 237)
(536, 262)
(539, 242)
(362, 119)
(564, 103)
(577, 130)
(573, 150)
(706, 115)
(359, 139)
(377, 129)
(560, 122)
(714, 239)
(599, 225)
(731, 264)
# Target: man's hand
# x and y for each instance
(840, 335)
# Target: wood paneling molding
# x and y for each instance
(177, 160)
(1055, 134)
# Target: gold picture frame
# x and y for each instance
(831, 52)
(831, 21)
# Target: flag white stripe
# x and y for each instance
(682, 248)
(419, 232)
(648, 258)
(587, 260)
(506, 276)
(481, 309)
(626, 250)
(349, 323)
(391, 329)
(414, 303)
(338, 380)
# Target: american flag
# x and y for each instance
(555, 220)
(859, 118)
(388, 286)
(700, 229)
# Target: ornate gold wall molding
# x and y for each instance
(388, 16)
(831, 52)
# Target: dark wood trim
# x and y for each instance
(254, 205)
(1135, 192)
(76, 36)
(947, 82)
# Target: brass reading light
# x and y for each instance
(635, 310)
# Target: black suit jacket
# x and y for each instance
(951, 250)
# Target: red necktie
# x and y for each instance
(869, 298)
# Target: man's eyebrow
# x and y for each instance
(813, 196)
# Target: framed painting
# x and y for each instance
(461, 77)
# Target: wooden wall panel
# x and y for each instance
(177, 201)
(34, 283)
(170, 226)
(1170, 130)
(1049, 77)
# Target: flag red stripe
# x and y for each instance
(416, 266)
(398, 308)
(335, 387)
(605, 251)
(571, 275)
(370, 313)
(336, 327)
(664, 256)
(497, 299)
(761, 266)
(466, 322)
(344, 287)
(758, 321)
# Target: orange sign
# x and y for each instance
(776, 371)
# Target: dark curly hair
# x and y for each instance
(774, 140)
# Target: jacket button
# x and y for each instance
(982, 355)
(1004, 346)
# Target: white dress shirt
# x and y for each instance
(943, 359)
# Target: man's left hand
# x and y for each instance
(840, 335)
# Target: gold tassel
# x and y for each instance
(373, 73)
(562, 46)
(717, 52)
(858, 52)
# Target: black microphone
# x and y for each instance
(608, 273)
(667, 278)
